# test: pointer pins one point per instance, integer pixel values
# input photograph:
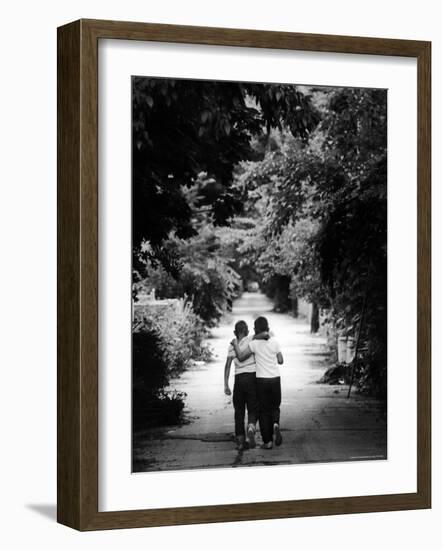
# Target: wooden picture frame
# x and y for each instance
(77, 460)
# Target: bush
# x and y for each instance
(180, 331)
(211, 287)
(165, 342)
(213, 290)
(152, 405)
(199, 270)
(371, 374)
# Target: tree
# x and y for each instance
(203, 274)
(338, 182)
(182, 128)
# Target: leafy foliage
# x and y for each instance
(152, 405)
(203, 275)
(181, 332)
(165, 341)
(182, 128)
(284, 185)
(322, 207)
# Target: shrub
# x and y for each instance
(180, 331)
(152, 405)
(165, 341)
(211, 286)
(199, 270)
(371, 374)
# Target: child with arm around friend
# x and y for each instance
(268, 357)
(244, 389)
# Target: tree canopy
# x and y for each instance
(182, 128)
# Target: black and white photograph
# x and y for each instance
(259, 274)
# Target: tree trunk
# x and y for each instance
(314, 320)
(295, 312)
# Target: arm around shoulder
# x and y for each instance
(244, 354)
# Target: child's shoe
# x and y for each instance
(277, 437)
(251, 436)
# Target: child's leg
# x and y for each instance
(265, 409)
(276, 403)
(251, 399)
(252, 408)
(239, 404)
(276, 399)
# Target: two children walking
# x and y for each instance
(257, 386)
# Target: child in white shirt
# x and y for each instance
(268, 357)
(244, 389)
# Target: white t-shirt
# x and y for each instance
(265, 357)
(242, 366)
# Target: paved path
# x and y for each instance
(319, 424)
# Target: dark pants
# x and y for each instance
(244, 395)
(269, 401)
